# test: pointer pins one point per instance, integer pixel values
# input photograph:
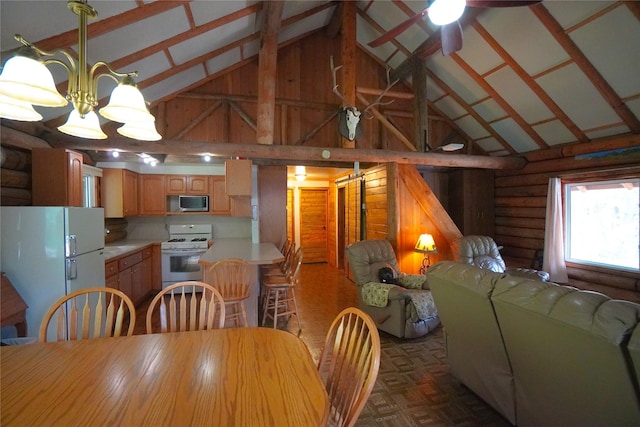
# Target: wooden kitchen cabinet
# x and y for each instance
(187, 184)
(153, 199)
(221, 204)
(156, 267)
(119, 193)
(238, 175)
(56, 177)
(219, 201)
(132, 274)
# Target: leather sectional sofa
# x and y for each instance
(540, 353)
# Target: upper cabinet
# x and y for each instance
(56, 177)
(187, 184)
(153, 199)
(238, 177)
(119, 193)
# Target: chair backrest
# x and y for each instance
(200, 306)
(89, 313)
(230, 277)
(367, 257)
(349, 364)
(481, 251)
(294, 270)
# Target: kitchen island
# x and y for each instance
(255, 254)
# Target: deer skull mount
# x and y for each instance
(348, 115)
(348, 121)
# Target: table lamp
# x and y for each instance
(427, 246)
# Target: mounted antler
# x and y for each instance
(378, 100)
(349, 116)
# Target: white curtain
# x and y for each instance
(554, 235)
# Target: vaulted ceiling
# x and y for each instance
(527, 78)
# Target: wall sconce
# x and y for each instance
(301, 173)
(426, 245)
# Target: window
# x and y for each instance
(602, 222)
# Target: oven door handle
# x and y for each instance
(184, 251)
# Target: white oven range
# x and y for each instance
(180, 254)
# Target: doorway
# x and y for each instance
(313, 224)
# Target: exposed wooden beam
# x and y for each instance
(195, 122)
(420, 104)
(349, 58)
(599, 82)
(267, 65)
(294, 154)
(531, 82)
(378, 115)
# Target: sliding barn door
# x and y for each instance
(313, 224)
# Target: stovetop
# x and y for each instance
(194, 236)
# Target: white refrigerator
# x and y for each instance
(50, 251)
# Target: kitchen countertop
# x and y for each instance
(253, 253)
(123, 247)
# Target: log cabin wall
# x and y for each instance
(520, 208)
(15, 177)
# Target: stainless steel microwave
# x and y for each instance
(193, 203)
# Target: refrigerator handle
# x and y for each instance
(71, 245)
(72, 269)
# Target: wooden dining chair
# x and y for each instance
(230, 277)
(187, 306)
(279, 294)
(97, 312)
(349, 365)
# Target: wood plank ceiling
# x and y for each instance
(527, 78)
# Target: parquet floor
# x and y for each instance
(414, 386)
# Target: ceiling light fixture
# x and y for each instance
(26, 81)
(442, 12)
(301, 173)
(147, 159)
(206, 158)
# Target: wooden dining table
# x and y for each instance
(222, 377)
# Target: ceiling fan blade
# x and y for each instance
(501, 3)
(451, 37)
(397, 30)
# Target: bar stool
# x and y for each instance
(279, 294)
(230, 277)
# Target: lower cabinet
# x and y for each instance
(133, 274)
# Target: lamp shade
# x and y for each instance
(29, 80)
(126, 104)
(87, 127)
(426, 244)
(145, 131)
(14, 109)
(443, 12)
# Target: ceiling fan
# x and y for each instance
(446, 14)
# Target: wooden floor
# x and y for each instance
(414, 385)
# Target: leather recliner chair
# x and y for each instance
(483, 252)
(406, 309)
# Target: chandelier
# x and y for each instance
(26, 81)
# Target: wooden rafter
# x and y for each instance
(532, 83)
(599, 82)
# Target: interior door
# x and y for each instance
(313, 224)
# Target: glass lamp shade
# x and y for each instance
(126, 104)
(443, 12)
(426, 244)
(301, 173)
(29, 80)
(87, 127)
(14, 109)
(145, 131)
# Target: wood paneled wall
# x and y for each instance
(520, 209)
(305, 103)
